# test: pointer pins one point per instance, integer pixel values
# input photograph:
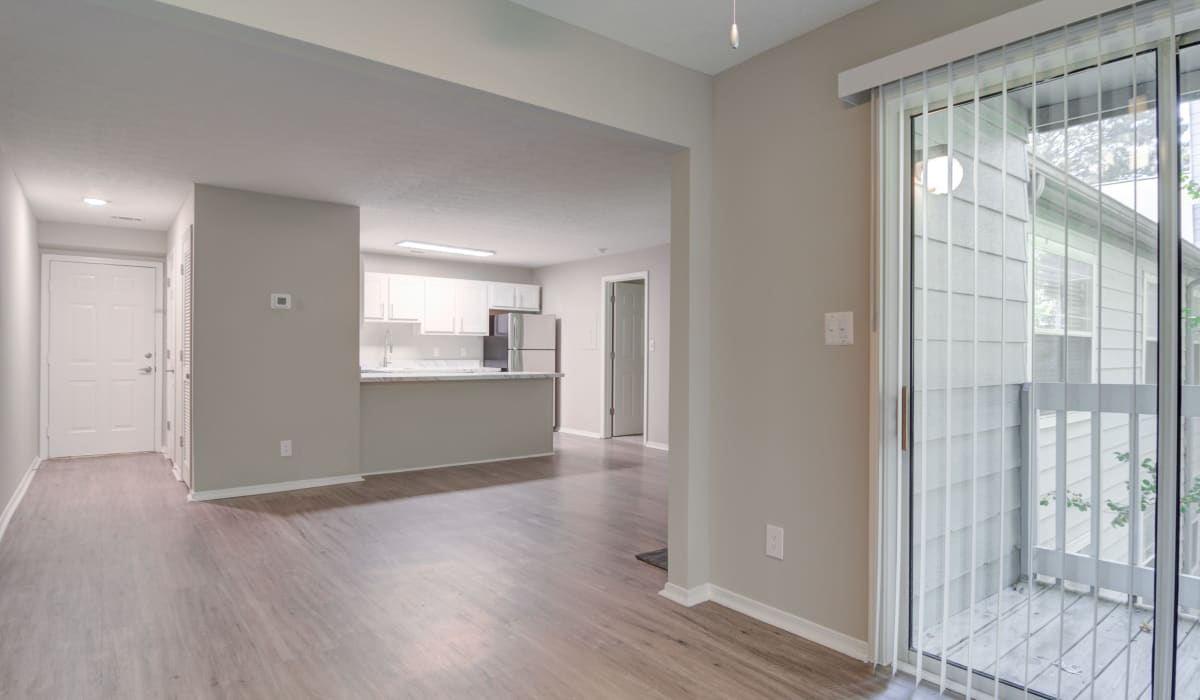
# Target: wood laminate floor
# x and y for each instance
(515, 579)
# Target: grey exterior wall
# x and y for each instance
(970, 342)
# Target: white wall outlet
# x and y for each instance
(775, 542)
(285, 448)
(281, 301)
(651, 345)
(437, 352)
(839, 328)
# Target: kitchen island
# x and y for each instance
(421, 420)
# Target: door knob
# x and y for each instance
(146, 370)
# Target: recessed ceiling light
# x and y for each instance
(94, 201)
(128, 218)
(453, 250)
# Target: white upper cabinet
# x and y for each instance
(440, 315)
(443, 306)
(471, 302)
(502, 295)
(375, 292)
(529, 297)
(406, 298)
(515, 297)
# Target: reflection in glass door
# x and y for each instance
(1035, 332)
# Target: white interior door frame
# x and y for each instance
(606, 286)
(159, 310)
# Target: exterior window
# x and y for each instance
(1064, 296)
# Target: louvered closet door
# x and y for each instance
(185, 362)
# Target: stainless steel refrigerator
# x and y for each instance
(522, 343)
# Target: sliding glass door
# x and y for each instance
(1048, 499)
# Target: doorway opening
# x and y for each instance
(102, 343)
(625, 355)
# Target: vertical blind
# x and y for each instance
(1018, 207)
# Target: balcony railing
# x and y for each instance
(1089, 567)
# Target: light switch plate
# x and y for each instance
(839, 328)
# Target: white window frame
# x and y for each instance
(1086, 257)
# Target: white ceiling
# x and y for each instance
(696, 33)
(134, 105)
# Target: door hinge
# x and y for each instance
(181, 441)
(612, 411)
(168, 425)
(904, 419)
(168, 280)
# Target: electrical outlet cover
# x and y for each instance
(774, 542)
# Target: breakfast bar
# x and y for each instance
(421, 420)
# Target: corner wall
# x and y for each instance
(573, 292)
(791, 241)
(261, 375)
(20, 335)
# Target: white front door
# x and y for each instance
(628, 353)
(102, 368)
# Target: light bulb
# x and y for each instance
(940, 175)
(733, 32)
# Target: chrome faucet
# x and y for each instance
(387, 348)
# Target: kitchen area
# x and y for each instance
(453, 370)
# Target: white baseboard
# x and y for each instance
(658, 446)
(687, 597)
(844, 643)
(11, 508)
(854, 648)
(580, 433)
(401, 470)
(278, 487)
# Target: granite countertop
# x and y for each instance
(435, 376)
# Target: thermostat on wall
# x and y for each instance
(281, 301)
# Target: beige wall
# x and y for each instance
(573, 292)
(20, 338)
(102, 239)
(507, 50)
(416, 425)
(791, 226)
(261, 375)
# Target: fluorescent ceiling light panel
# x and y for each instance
(94, 201)
(435, 248)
